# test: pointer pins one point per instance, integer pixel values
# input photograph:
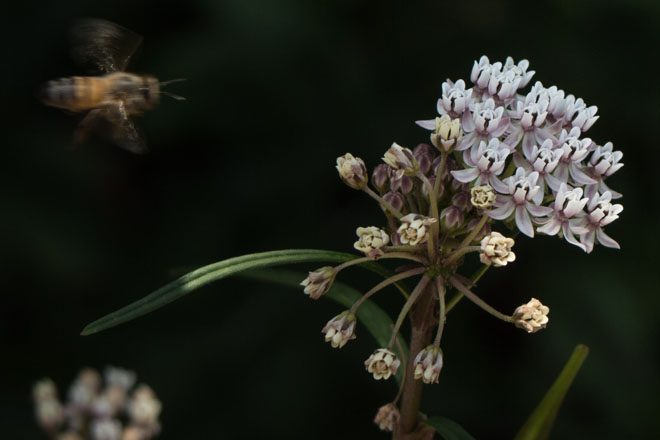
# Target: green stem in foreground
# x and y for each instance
(478, 301)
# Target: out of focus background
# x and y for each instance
(277, 89)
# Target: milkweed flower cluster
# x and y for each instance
(107, 408)
(505, 157)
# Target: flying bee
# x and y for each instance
(113, 97)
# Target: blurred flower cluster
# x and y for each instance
(499, 158)
(98, 408)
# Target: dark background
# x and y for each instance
(277, 89)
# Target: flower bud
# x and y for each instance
(482, 197)
(532, 316)
(447, 133)
(382, 364)
(414, 229)
(424, 155)
(144, 408)
(395, 199)
(496, 250)
(380, 176)
(352, 171)
(387, 417)
(428, 364)
(371, 240)
(451, 217)
(340, 329)
(401, 159)
(401, 182)
(319, 281)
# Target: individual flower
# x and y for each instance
(84, 389)
(544, 160)
(600, 213)
(119, 377)
(340, 329)
(481, 73)
(445, 132)
(380, 177)
(414, 229)
(425, 156)
(451, 217)
(503, 84)
(520, 70)
(428, 364)
(555, 98)
(352, 171)
(524, 197)
(106, 429)
(387, 417)
(578, 115)
(395, 199)
(482, 196)
(488, 121)
(382, 364)
(484, 164)
(574, 152)
(532, 316)
(455, 100)
(529, 120)
(568, 203)
(496, 250)
(319, 281)
(603, 163)
(401, 159)
(371, 240)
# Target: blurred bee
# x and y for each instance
(112, 97)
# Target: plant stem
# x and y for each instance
(442, 315)
(422, 324)
(474, 278)
(391, 280)
(397, 255)
(478, 301)
(383, 202)
(460, 252)
(406, 307)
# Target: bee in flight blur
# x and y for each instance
(113, 97)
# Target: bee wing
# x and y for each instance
(102, 45)
(113, 122)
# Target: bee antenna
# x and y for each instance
(164, 83)
(172, 95)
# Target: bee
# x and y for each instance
(113, 97)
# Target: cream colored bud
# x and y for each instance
(401, 159)
(371, 240)
(144, 408)
(447, 133)
(340, 329)
(414, 229)
(482, 197)
(319, 281)
(382, 364)
(428, 364)
(44, 390)
(532, 316)
(387, 417)
(496, 250)
(352, 171)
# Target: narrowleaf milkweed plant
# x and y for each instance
(501, 161)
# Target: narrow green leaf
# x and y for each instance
(376, 321)
(539, 423)
(216, 271)
(448, 429)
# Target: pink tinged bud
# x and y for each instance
(532, 316)
(340, 329)
(414, 229)
(496, 250)
(352, 171)
(424, 155)
(371, 240)
(380, 177)
(452, 217)
(387, 417)
(482, 197)
(395, 199)
(428, 364)
(401, 159)
(382, 364)
(401, 182)
(319, 281)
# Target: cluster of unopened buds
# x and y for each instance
(96, 410)
(500, 158)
